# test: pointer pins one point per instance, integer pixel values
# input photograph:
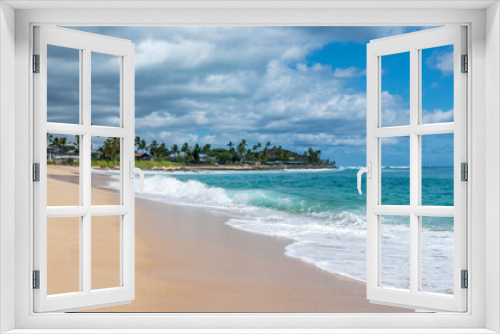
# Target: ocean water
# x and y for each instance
(323, 215)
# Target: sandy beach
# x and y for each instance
(188, 260)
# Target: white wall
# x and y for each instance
(492, 165)
(7, 92)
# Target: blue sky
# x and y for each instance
(298, 87)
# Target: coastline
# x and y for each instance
(196, 168)
(187, 265)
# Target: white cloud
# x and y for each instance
(350, 72)
(216, 84)
(437, 116)
(184, 53)
(444, 63)
(395, 111)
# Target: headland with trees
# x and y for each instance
(156, 155)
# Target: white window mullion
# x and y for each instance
(39, 147)
(373, 120)
(85, 180)
(414, 170)
(394, 131)
(127, 159)
(434, 129)
(460, 143)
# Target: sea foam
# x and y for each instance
(332, 240)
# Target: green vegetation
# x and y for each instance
(60, 151)
(158, 155)
(239, 154)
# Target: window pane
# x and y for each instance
(395, 95)
(437, 169)
(105, 90)
(63, 170)
(63, 85)
(106, 183)
(63, 255)
(105, 252)
(437, 84)
(395, 172)
(395, 251)
(437, 254)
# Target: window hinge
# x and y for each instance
(465, 64)
(464, 170)
(36, 63)
(465, 279)
(36, 279)
(36, 172)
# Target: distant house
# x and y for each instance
(143, 157)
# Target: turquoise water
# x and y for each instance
(323, 215)
(325, 192)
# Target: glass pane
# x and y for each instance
(63, 170)
(395, 251)
(105, 90)
(106, 183)
(437, 84)
(395, 172)
(63, 85)
(395, 95)
(437, 254)
(63, 255)
(106, 252)
(437, 169)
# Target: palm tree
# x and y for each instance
(187, 151)
(241, 149)
(153, 148)
(206, 149)
(175, 150)
(185, 148)
(196, 153)
(230, 144)
(318, 154)
(54, 145)
(110, 149)
(50, 138)
(162, 151)
(63, 141)
(77, 144)
(143, 145)
(137, 142)
(268, 144)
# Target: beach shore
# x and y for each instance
(188, 260)
(243, 167)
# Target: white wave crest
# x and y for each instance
(190, 192)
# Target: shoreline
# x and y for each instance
(194, 168)
(188, 264)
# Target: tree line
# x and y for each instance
(241, 152)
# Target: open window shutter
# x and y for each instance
(414, 295)
(83, 215)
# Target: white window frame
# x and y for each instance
(86, 44)
(483, 211)
(414, 43)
